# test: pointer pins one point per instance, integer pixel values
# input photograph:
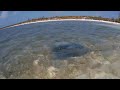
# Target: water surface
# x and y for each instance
(24, 50)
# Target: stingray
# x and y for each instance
(64, 50)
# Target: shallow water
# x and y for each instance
(63, 49)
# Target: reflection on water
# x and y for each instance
(64, 49)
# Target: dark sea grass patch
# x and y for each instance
(65, 50)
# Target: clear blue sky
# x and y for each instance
(12, 17)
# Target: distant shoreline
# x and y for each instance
(52, 20)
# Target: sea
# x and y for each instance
(60, 50)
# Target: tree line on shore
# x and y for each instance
(70, 17)
(73, 17)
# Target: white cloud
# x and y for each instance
(15, 12)
(4, 14)
(56, 12)
(98, 13)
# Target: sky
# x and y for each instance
(12, 17)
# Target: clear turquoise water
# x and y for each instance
(54, 41)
